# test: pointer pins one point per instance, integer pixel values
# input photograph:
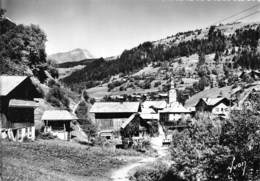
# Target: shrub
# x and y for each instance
(87, 125)
(54, 72)
(92, 101)
(155, 172)
(56, 96)
(51, 83)
(85, 95)
(46, 136)
(99, 141)
(156, 84)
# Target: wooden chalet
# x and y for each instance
(109, 116)
(218, 106)
(17, 106)
(58, 123)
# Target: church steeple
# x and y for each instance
(172, 93)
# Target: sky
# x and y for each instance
(108, 27)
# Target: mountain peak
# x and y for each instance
(74, 55)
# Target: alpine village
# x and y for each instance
(184, 108)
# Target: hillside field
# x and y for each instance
(44, 160)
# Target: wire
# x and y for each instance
(247, 15)
(236, 14)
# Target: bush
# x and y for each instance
(92, 101)
(54, 72)
(85, 95)
(99, 141)
(56, 96)
(156, 84)
(46, 136)
(85, 122)
(155, 172)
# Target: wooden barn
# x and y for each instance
(135, 126)
(58, 123)
(17, 106)
(109, 116)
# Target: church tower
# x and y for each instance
(172, 93)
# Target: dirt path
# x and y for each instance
(123, 173)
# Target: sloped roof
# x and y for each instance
(148, 110)
(128, 120)
(149, 116)
(210, 93)
(212, 101)
(22, 103)
(58, 115)
(115, 107)
(8, 83)
(175, 107)
(156, 104)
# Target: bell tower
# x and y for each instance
(172, 93)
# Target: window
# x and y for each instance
(164, 117)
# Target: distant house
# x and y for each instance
(109, 116)
(17, 106)
(213, 93)
(58, 123)
(217, 106)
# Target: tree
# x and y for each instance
(2, 13)
(203, 82)
(193, 148)
(202, 59)
(22, 46)
(203, 70)
(87, 125)
(92, 101)
(205, 150)
(57, 97)
(85, 95)
(217, 56)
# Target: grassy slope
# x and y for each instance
(57, 160)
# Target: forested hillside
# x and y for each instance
(22, 52)
(239, 42)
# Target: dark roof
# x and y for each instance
(128, 120)
(210, 93)
(212, 101)
(115, 107)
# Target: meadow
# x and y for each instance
(58, 160)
